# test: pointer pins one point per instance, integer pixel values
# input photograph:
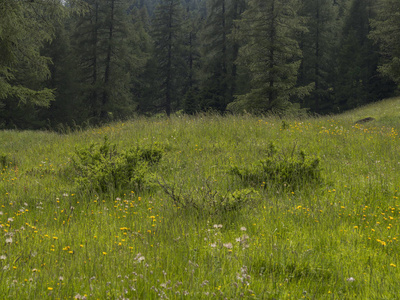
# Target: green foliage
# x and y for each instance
(101, 168)
(207, 199)
(3, 160)
(266, 26)
(291, 169)
(385, 30)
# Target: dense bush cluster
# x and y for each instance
(102, 168)
(291, 169)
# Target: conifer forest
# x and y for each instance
(88, 62)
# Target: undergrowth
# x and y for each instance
(104, 169)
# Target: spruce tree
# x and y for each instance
(357, 80)
(25, 27)
(103, 42)
(385, 33)
(168, 41)
(220, 52)
(318, 45)
(271, 53)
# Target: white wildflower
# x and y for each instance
(228, 245)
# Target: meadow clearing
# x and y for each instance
(186, 226)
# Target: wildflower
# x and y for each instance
(213, 245)
(228, 245)
(243, 228)
(217, 226)
(10, 219)
(3, 257)
(351, 279)
(9, 240)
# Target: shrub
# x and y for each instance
(206, 199)
(101, 168)
(3, 160)
(292, 169)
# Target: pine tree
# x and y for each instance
(21, 37)
(357, 78)
(271, 53)
(25, 27)
(318, 46)
(103, 42)
(385, 33)
(168, 39)
(220, 52)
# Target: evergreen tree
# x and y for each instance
(24, 28)
(357, 77)
(220, 52)
(272, 54)
(168, 39)
(103, 42)
(385, 33)
(318, 45)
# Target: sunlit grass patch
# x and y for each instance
(335, 240)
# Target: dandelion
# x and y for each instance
(393, 265)
(50, 288)
(104, 253)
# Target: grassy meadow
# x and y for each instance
(194, 229)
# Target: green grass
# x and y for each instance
(338, 239)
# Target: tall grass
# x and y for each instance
(335, 240)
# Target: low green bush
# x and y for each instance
(101, 168)
(287, 169)
(207, 199)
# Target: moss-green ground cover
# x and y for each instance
(334, 240)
